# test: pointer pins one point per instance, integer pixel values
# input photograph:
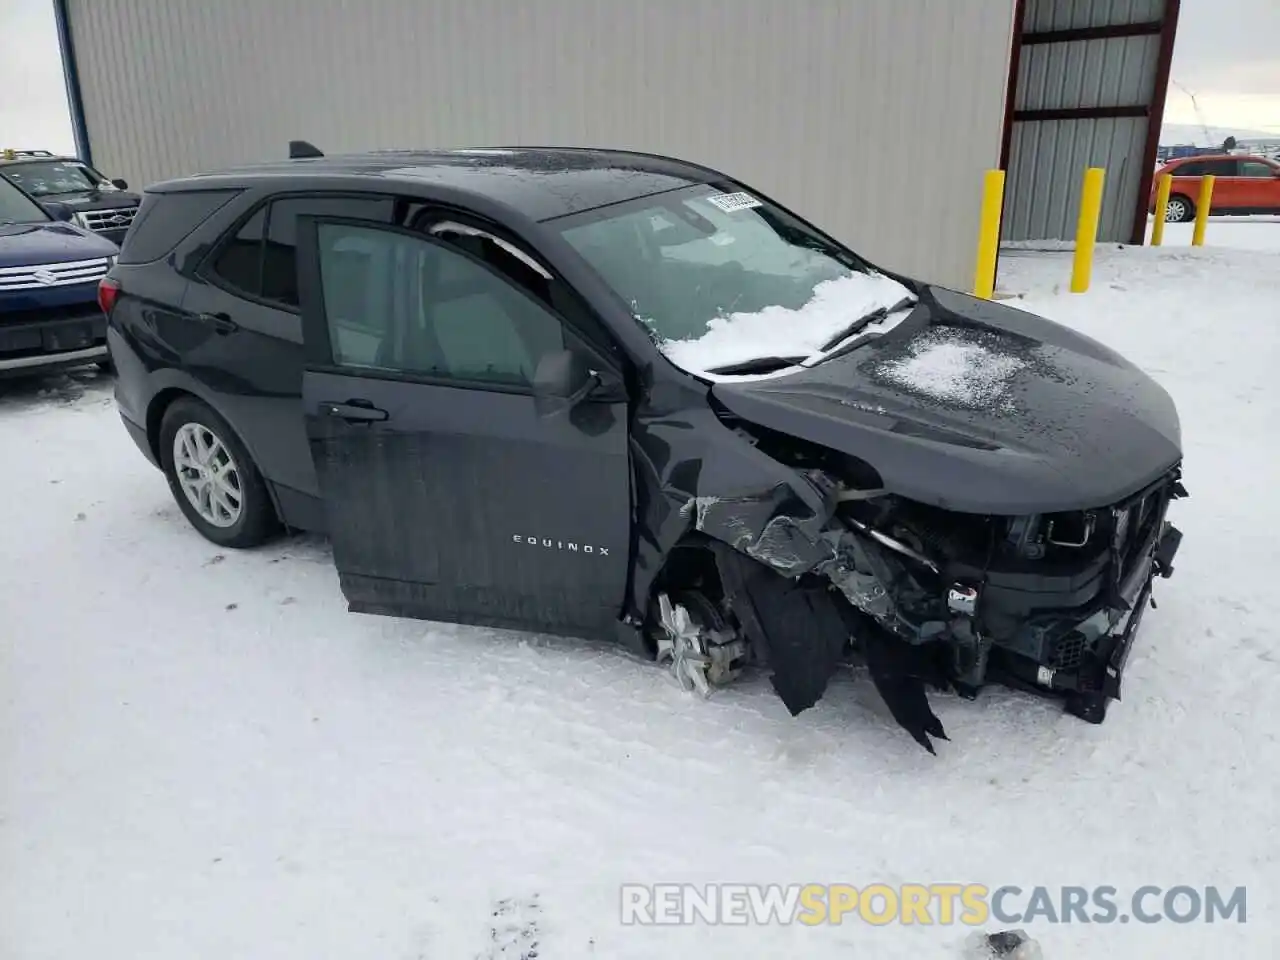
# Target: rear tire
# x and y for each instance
(1180, 209)
(212, 477)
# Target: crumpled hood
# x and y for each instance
(27, 244)
(974, 406)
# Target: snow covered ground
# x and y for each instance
(203, 755)
(1241, 233)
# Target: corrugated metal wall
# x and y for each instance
(875, 118)
(1048, 157)
(1046, 173)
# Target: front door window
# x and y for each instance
(400, 303)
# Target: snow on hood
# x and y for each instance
(783, 332)
(948, 365)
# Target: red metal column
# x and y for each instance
(1155, 119)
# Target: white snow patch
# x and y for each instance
(784, 332)
(943, 366)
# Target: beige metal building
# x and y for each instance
(874, 118)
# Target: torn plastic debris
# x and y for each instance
(794, 544)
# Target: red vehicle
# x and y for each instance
(1242, 185)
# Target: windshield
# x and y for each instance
(52, 177)
(721, 278)
(17, 207)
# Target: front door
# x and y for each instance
(1228, 194)
(449, 496)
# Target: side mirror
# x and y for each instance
(59, 211)
(120, 184)
(561, 382)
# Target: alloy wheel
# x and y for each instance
(208, 474)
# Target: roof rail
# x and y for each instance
(10, 154)
(301, 150)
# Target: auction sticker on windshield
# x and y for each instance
(731, 202)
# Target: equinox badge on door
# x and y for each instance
(549, 544)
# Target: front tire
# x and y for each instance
(1179, 210)
(212, 477)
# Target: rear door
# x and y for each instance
(448, 496)
(1260, 185)
(241, 332)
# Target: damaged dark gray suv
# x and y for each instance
(609, 394)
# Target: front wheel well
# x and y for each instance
(689, 566)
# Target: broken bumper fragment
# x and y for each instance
(1085, 662)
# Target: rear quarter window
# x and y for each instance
(165, 219)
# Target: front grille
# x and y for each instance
(89, 310)
(116, 219)
(45, 275)
(1133, 527)
(1068, 651)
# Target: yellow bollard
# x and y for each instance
(1202, 211)
(1087, 228)
(984, 277)
(1162, 209)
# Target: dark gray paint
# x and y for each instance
(425, 506)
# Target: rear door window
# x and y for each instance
(259, 259)
(280, 253)
(238, 262)
(1256, 168)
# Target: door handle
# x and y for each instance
(220, 322)
(353, 411)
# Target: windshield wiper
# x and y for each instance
(772, 363)
(756, 365)
(864, 321)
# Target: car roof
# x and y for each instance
(1219, 156)
(540, 183)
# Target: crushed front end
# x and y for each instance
(1049, 602)
(976, 495)
(932, 597)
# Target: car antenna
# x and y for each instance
(301, 149)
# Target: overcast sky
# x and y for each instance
(1227, 55)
